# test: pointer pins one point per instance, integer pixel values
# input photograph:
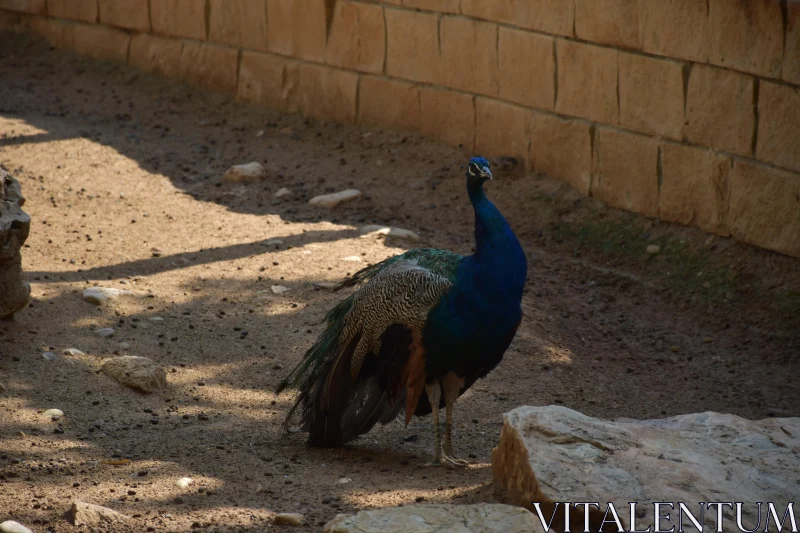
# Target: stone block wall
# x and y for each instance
(685, 110)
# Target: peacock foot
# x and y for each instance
(447, 462)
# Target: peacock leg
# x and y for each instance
(434, 392)
(452, 385)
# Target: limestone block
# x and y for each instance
(130, 14)
(554, 454)
(526, 68)
(562, 149)
(158, 55)
(468, 55)
(719, 109)
(695, 187)
(83, 10)
(412, 45)
(298, 28)
(614, 22)
(36, 7)
(179, 18)
(448, 116)
(210, 66)
(746, 36)
(765, 207)
(587, 81)
(15, 226)
(100, 42)
(501, 129)
(241, 23)
(625, 171)
(674, 28)
(484, 518)
(651, 95)
(779, 125)
(388, 103)
(791, 52)
(357, 37)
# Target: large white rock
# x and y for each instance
(332, 200)
(485, 518)
(554, 454)
(246, 173)
(139, 373)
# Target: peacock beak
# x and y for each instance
(486, 173)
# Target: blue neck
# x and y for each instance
(497, 250)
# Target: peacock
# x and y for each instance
(427, 321)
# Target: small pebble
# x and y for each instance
(343, 481)
(332, 200)
(9, 526)
(105, 332)
(289, 519)
(653, 249)
(184, 482)
(54, 413)
(124, 346)
(49, 356)
(283, 191)
(279, 289)
(73, 351)
(156, 319)
(352, 258)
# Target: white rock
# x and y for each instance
(352, 259)
(343, 481)
(105, 332)
(9, 526)
(184, 482)
(156, 319)
(389, 231)
(49, 356)
(53, 413)
(73, 351)
(279, 289)
(139, 373)
(246, 173)
(653, 249)
(283, 191)
(87, 514)
(289, 519)
(557, 454)
(101, 295)
(332, 200)
(486, 518)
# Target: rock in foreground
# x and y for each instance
(87, 514)
(486, 518)
(555, 454)
(139, 373)
(15, 225)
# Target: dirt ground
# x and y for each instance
(123, 178)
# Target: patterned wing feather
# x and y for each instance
(351, 378)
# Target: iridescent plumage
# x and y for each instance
(424, 321)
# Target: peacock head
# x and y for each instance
(478, 171)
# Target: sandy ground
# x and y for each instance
(123, 178)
